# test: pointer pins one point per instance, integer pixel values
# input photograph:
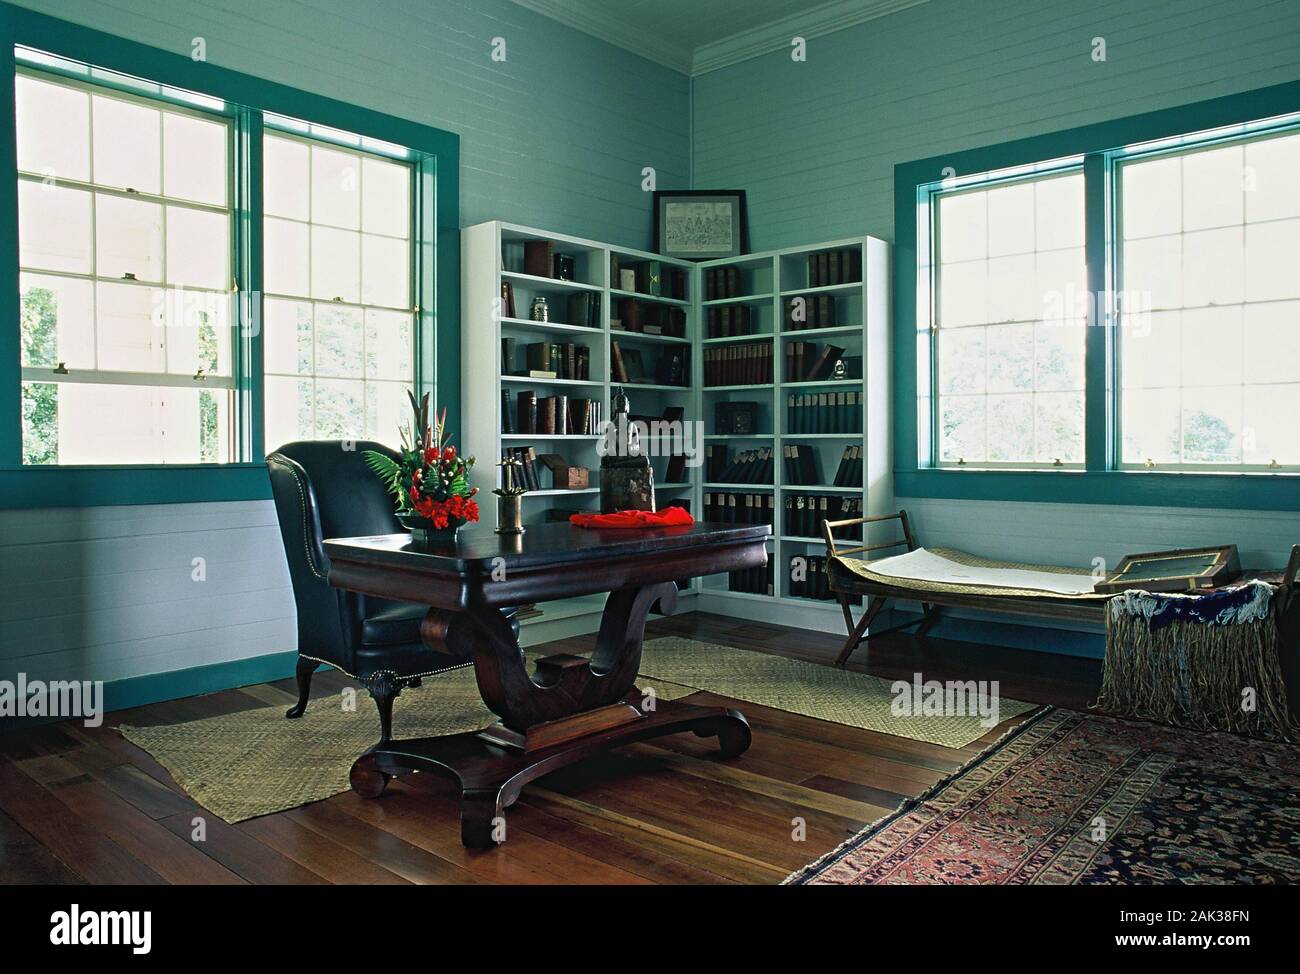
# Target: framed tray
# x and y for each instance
(1180, 570)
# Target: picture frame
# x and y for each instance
(700, 224)
(1178, 570)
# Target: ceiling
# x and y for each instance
(695, 36)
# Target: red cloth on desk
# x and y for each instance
(669, 517)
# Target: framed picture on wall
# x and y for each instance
(700, 224)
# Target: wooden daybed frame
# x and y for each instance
(846, 584)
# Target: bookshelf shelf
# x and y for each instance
(824, 289)
(745, 299)
(756, 294)
(797, 333)
(656, 298)
(533, 380)
(548, 283)
(557, 326)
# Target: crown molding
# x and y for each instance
(602, 21)
(777, 34)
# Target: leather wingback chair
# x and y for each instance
(324, 489)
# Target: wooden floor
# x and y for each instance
(84, 805)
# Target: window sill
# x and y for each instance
(1144, 488)
(93, 486)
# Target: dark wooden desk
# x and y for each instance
(570, 707)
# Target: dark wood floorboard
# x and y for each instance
(82, 804)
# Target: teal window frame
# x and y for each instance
(435, 154)
(1099, 146)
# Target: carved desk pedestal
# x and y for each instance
(570, 707)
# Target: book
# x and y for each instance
(538, 258)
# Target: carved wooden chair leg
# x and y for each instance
(306, 667)
(384, 687)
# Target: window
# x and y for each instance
(1209, 359)
(1008, 325)
(124, 251)
(338, 318)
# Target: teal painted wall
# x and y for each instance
(815, 143)
(555, 136)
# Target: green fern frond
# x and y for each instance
(388, 470)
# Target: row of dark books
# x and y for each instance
(804, 514)
(651, 277)
(824, 412)
(670, 369)
(810, 311)
(650, 318)
(727, 320)
(800, 465)
(740, 508)
(835, 267)
(749, 363)
(804, 363)
(549, 415)
(746, 467)
(755, 581)
(527, 473)
(808, 580)
(849, 473)
(724, 282)
(547, 360)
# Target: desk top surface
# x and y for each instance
(478, 548)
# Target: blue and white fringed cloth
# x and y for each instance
(1204, 661)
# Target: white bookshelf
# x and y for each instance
(862, 328)
(492, 253)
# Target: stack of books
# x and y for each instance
(804, 514)
(549, 415)
(724, 282)
(749, 363)
(756, 581)
(740, 508)
(810, 311)
(526, 473)
(746, 467)
(650, 318)
(728, 320)
(824, 412)
(584, 309)
(801, 465)
(835, 267)
(803, 363)
(849, 473)
(547, 360)
(808, 579)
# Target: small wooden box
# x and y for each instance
(564, 476)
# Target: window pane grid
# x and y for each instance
(1209, 342)
(103, 292)
(1009, 316)
(339, 348)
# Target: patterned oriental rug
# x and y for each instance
(1068, 798)
(255, 762)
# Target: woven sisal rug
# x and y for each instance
(1080, 799)
(256, 762)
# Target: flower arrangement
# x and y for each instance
(429, 481)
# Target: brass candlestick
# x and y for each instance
(510, 498)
